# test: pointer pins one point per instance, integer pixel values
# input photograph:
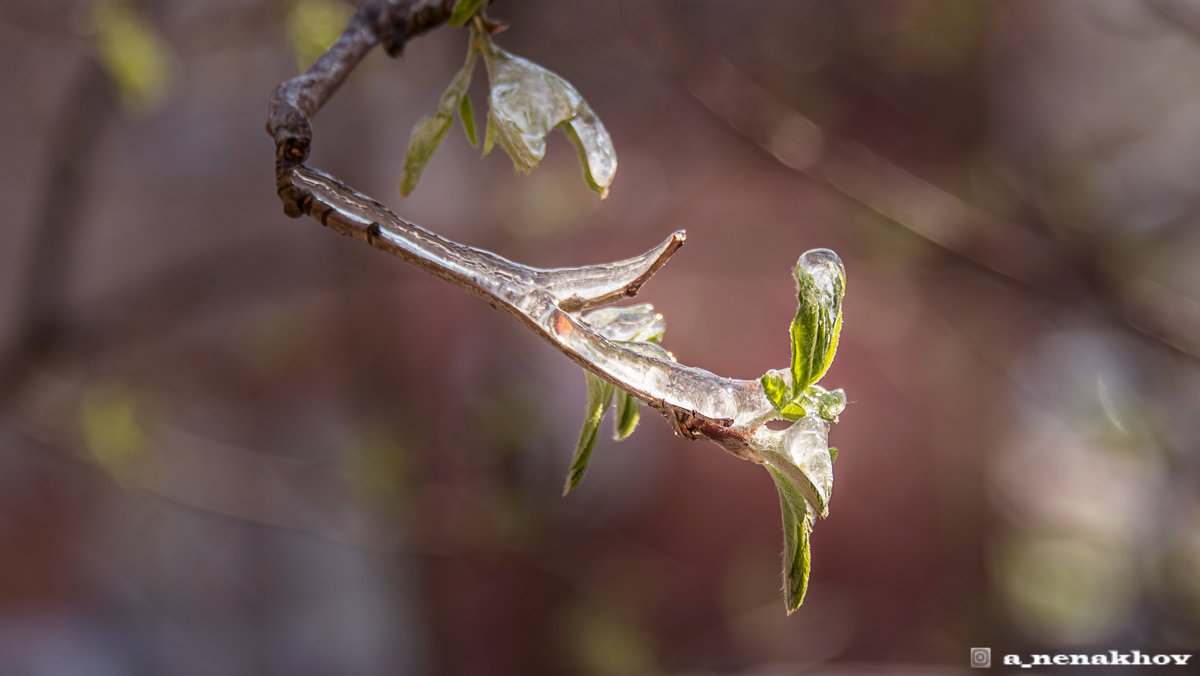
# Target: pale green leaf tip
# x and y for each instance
(467, 116)
(599, 396)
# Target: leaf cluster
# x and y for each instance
(525, 103)
(802, 466)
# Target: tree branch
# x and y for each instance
(549, 301)
(294, 102)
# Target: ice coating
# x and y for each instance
(800, 453)
(636, 322)
(827, 269)
(539, 297)
(596, 146)
(527, 101)
(806, 442)
(656, 381)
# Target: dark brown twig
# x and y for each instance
(294, 102)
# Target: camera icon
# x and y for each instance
(981, 658)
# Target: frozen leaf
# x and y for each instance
(797, 524)
(429, 132)
(594, 148)
(464, 10)
(627, 416)
(526, 101)
(821, 283)
(806, 443)
(801, 453)
(599, 395)
(636, 322)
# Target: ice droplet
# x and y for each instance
(806, 442)
(826, 269)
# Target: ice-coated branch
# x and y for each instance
(550, 301)
(615, 345)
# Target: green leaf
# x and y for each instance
(467, 117)
(778, 390)
(820, 284)
(833, 454)
(464, 10)
(428, 133)
(599, 395)
(779, 393)
(425, 139)
(627, 415)
(526, 102)
(797, 524)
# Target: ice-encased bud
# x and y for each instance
(806, 442)
(635, 322)
(826, 269)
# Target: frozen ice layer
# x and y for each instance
(826, 268)
(806, 443)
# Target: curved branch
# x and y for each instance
(700, 403)
(550, 301)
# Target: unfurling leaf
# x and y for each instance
(821, 283)
(527, 101)
(797, 524)
(599, 395)
(428, 133)
(789, 404)
(463, 11)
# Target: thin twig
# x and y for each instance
(295, 101)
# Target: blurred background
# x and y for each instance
(234, 443)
